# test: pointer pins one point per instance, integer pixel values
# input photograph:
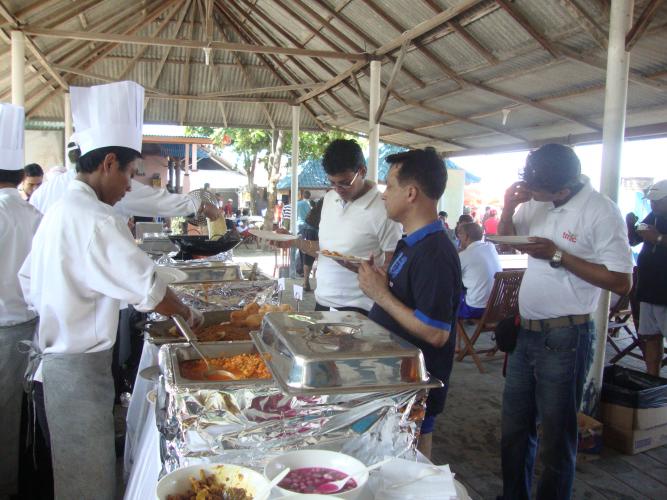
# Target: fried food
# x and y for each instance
(208, 487)
(339, 255)
(244, 366)
(252, 308)
(224, 331)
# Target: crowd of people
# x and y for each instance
(71, 263)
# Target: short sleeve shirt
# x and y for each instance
(589, 226)
(652, 266)
(425, 275)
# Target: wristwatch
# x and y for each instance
(557, 259)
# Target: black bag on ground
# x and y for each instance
(506, 333)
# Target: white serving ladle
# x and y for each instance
(274, 482)
(336, 486)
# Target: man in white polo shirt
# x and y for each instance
(354, 222)
(479, 264)
(579, 245)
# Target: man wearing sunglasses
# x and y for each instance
(354, 222)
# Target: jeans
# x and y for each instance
(545, 379)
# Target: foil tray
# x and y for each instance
(183, 352)
(226, 294)
(160, 332)
(337, 353)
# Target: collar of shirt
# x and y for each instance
(9, 191)
(365, 200)
(473, 245)
(418, 235)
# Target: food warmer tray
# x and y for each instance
(158, 332)
(228, 272)
(338, 352)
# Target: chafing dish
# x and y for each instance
(210, 274)
(183, 352)
(338, 352)
(163, 332)
(225, 294)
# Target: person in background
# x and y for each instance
(303, 207)
(79, 305)
(479, 264)
(229, 208)
(486, 215)
(286, 215)
(491, 223)
(652, 277)
(417, 297)
(442, 216)
(18, 223)
(463, 219)
(579, 245)
(354, 222)
(310, 232)
(32, 179)
(278, 213)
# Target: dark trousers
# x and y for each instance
(35, 470)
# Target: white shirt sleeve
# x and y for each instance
(146, 201)
(389, 233)
(610, 240)
(117, 268)
(522, 217)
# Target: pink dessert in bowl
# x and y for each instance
(311, 480)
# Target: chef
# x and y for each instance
(83, 263)
(18, 223)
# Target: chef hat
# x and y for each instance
(108, 115)
(11, 136)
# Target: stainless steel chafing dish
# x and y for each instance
(338, 352)
(165, 331)
(182, 352)
(210, 274)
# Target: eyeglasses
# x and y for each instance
(344, 185)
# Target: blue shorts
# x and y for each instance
(467, 312)
(428, 424)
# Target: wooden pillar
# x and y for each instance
(18, 68)
(295, 167)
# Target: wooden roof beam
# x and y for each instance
(473, 42)
(641, 25)
(525, 24)
(587, 22)
(191, 44)
(392, 80)
(185, 78)
(414, 33)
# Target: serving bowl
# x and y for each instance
(319, 458)
(235, 476)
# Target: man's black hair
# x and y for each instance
(73, 154)
(33, 170)
(306, 194)
(14, 177)
(472, 230)
(551, 168)
(442, 213)
(342, 155)
(89, 162)
(424, 167)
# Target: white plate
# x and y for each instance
(272, 236)
(353, 259)
(511, 240)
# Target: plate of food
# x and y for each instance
(511, 240)
(352, 259)
(272, 235)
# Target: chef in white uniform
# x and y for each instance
(142, 200)
(83, 264)
(18, 224)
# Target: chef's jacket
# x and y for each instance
(18, 224)
(83, 263)
(142, 200)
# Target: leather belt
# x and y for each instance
(539, 325)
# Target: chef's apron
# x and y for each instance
(78, 397)
(12, 366)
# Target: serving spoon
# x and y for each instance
(191, 338)
(336, 486)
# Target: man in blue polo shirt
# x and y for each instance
(417, 297)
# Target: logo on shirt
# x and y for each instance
(570, 236)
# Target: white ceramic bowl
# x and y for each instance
(318, 458)
(178, 481)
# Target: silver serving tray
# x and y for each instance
(229, 272)
(183, 352)
(338, 352)
(157, 332)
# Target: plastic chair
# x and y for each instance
(503, 302)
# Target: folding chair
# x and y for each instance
(503, 302)
(622, 316)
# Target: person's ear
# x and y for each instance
(107, 163)
(412, 192)
(563, 194)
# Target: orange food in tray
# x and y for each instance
(244, 366)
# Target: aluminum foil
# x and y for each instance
(250, 423)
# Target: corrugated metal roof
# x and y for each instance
(512, 65)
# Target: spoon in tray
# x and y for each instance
(192, 339)
(336, 486)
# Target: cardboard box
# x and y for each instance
(622, 417)
(632, 441)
